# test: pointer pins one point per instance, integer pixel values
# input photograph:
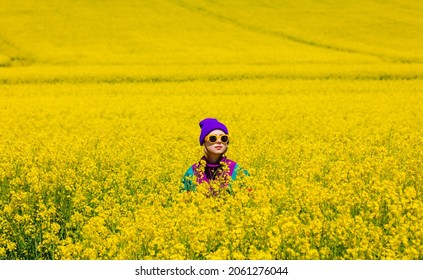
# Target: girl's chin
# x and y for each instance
(218, 152)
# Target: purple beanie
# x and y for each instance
(208, 125)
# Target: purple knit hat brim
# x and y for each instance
(208, 125)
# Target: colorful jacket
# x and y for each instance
(222, 173)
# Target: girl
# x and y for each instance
(214, 169)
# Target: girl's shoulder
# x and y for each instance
(235, 168)
(190, 170)
(230, 162)
(193, 169)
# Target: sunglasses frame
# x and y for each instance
(218, 137)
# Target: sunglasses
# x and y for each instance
(212, 138)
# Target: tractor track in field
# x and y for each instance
(290, 37)
(14, 55)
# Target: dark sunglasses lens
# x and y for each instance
(224, 138)
(212, 139)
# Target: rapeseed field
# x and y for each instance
(99, 109)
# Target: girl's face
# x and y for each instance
(218, 147)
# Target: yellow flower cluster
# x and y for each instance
(93, 171)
